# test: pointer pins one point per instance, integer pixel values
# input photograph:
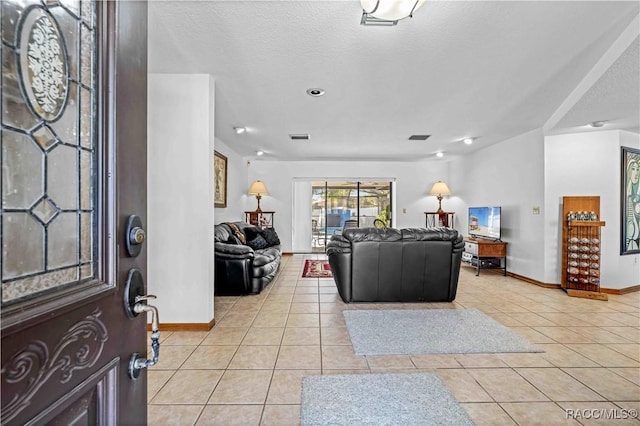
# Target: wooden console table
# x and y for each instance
(486, 254)
(439, 219)
(262, 219)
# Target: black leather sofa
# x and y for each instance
(396, 265)
(240, 269)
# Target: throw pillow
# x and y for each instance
(252, 232)
(237, 232)
(258, 242)
(232, 240)
(270, 235)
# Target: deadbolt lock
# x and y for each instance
(135, 235)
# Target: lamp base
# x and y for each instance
(258, 210)
(439, 211)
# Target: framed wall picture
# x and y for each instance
(630, 196)
(220, 179)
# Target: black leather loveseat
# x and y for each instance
(396, 265)
(247, 258)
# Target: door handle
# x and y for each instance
(136, 303)
(136, 363)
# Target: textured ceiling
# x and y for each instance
(490, 70)
(613, 98)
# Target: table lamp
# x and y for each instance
(439, 189)
(258, 188)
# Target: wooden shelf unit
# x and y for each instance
(439, 219)
(486, 253)
(581, 248)
(262, 219)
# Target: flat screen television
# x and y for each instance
(484, 222)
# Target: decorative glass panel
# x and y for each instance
(85, 125)
(43, 64)
(48, 146)
(22, 245)
(62, 176)
(66, 127)
(44, 137)
(86, 245)
(62, 239)
(15, 112)
(20, 153)
(86, 56)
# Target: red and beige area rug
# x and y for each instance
(316, 269)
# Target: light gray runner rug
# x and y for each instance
(430, 331)
(379, 399)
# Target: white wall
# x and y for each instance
(589, 164)
(413, 181)
(508, 174)
(180, 196)
(300, 229)
(237, 185)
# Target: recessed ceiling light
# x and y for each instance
(315, 92)
(259, 153)
(467, 141)
(439, 154)
(240, 130)
(597, 123)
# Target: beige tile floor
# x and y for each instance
(247, 370)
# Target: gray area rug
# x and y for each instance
(430, 331)
(379, 399)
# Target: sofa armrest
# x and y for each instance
(338, 244)
(458, 244)
(339, 254)
(233, 250)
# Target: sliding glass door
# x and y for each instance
(337, 205)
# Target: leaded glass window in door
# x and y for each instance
(47, 146)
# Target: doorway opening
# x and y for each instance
(339, 205)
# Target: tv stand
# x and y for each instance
(486, 254)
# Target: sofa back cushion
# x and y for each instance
(372, 234)
(401, 265)
(221, 233)
(428, 262)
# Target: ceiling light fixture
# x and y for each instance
(259, 153)
(467, 141)
(315, 92)
(387, 12)
(240, 130)
(597, 123)
(439, 154)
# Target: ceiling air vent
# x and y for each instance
(418, 137)
(300, 137)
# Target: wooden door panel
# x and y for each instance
(92, 402)
(65, 354)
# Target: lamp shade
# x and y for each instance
(258, 188)
(440, 188)
(391, 10)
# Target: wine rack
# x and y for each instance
(581, 247)
(583, 255)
